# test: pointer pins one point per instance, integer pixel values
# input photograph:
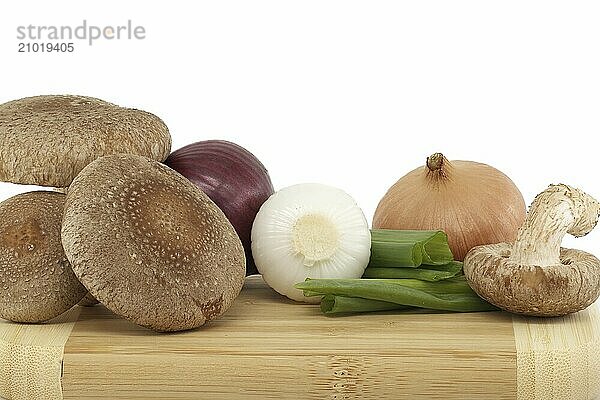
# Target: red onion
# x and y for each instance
(232, 177)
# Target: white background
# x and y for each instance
(353, 94)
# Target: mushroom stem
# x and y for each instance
(558, 210)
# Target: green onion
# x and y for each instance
(393, 248)
(331, 304)
(449, 295)
(408, 271)
(431, 273)
(456, 285)
(337, 305)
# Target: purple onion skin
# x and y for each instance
(232, 177)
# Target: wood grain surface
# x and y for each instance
(267, 347)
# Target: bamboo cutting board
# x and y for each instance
(266, 347)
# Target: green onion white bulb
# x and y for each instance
(309, 231)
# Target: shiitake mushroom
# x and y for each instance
(150, 245)
(36, 280)
(47, 140)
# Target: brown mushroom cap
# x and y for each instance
(88, 301)
(552, 290)
(48, 140)
(150, 245)
(534, 275)
(36, 280)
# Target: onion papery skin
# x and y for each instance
(283, 264)
(473, 203)
(234, 179)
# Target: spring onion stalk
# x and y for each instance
(449, 295)
(337, 305)
(331, 304)
(431, 273)
(392, 248)
(456, 285)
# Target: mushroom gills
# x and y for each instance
(535, 276)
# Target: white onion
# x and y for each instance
(309, 231)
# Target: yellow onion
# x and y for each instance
(472, 202)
